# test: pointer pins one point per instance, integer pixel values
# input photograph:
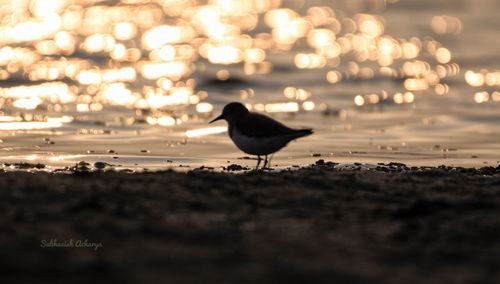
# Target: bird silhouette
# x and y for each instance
(257, 134)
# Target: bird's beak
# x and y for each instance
(217, 118)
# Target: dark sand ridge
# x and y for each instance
(313, 225)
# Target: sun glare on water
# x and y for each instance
(139, 55)
(87, 67)
(205, 131)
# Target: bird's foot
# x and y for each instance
(269, 169)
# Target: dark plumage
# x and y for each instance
(257, 134)
(258, 125)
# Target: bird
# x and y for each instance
(257, 134)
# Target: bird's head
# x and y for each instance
(231, 111)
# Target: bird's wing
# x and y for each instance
(258, 125)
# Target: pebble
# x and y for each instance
(235, 167)
(100, 165)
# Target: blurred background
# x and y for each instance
(133, 83)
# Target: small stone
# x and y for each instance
(100, 165)
(320, 162)
(235, 167)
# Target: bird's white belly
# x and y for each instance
(258, 145)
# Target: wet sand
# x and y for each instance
(318, 224)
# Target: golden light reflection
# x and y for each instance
(28, 125)
(205, 131)
(333, 76)
(99, 43)
(27, 103)
(83, 56)
(165, 34)
(124, 30)
(369, 25)
(281, 107)
(481, 97)
(8, 118)
(293, 93)
(416, 84)
(474, 79)
(483, 77)
(223, 75)
(484, 97)
(445, 24)
(166, 121)
(64, 157)
(204, 107)
(176, 96)
(443, 55)
(359, 100)
(174, 69)
(54, 92)
(308, 105)
(309, 61)
(495, 96)
(118, 94)
(441, 89)
(318, 38)
(254, 55)
(400, 98)
(225, 55)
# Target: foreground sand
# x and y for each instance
(312, 225)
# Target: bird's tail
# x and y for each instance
(305, 132)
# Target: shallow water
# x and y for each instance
(139, 118)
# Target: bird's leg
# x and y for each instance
(258, 162)
(265, 163)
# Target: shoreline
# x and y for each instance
(104, 167)
(317, 224)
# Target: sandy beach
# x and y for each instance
(316, 224)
